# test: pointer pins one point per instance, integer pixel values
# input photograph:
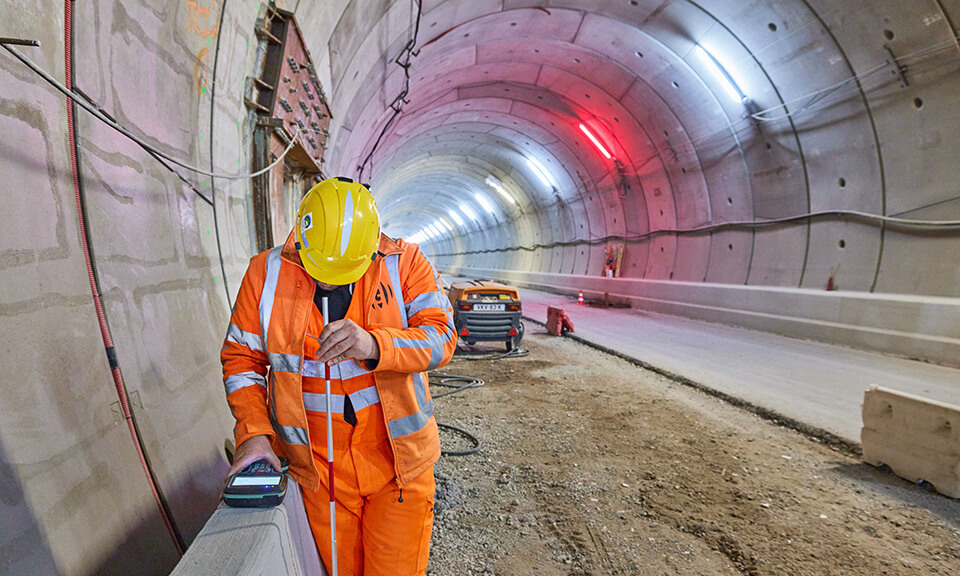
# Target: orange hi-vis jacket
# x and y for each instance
(405, 310)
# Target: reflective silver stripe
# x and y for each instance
(364, 398)
(285, 363)
(360, 399)
(292, 434)
(412, 423)
(269, 291)
(242, 380)
(424, 301)
(393, 269)
(351, 369)
(289, 434)
(420, 387)
(343, 371)
(434, 342)
(448, 306)
(248, 339)
(318, 402)
(314, 369)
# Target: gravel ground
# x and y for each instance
(591, 465)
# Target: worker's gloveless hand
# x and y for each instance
(253, 449)
(345, 339)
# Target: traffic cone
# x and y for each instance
(580, 298)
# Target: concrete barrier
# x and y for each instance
(255, 541)
(923, 327)
(918, 439)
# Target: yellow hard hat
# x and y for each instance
(337, 231)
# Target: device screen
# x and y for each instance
(256, 481)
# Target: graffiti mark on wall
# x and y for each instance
(204, 18)
(199, 71)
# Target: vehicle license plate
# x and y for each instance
(490, 307)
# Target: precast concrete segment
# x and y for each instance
(919, 439)
(816, 384)
(811, 158)
(255, 541)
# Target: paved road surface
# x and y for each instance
(818, 384)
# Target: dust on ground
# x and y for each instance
(591, 465)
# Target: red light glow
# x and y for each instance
(595, 142)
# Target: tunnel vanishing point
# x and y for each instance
(789, 166)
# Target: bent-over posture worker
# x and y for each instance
(389, 322)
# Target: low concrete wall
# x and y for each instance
(918, 439)
(255, 541)
(926, 328)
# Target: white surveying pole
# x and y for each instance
(333, 504)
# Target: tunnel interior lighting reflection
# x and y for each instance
(495, 183)
(595, 142)
(539, 170)
(721, 74)
(447, 225)
(456, 218)
(468, 212)
(482, 200)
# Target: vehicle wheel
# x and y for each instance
(514, 342)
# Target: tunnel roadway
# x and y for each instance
(819, 385)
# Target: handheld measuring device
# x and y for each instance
(257, 486)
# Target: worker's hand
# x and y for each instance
(345, 339)
(253, 449)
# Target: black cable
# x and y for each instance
(213, 187)
(401, 99)
(477, 444)
(515, 353)
(462, 383)
(907, 223)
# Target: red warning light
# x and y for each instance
(595, 142)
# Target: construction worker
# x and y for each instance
(389, 322)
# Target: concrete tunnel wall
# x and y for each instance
(494, 83)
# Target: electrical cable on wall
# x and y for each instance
(73, 96)
(213, 187)
(907, 223)
(402, 60)
(105, 334)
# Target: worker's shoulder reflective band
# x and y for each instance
(285, 363)
(343, 371)
(242, 380)
(412, 423)
(360, 399)
(434, 342)
(393, 269)
(269, 290)
(248, 339)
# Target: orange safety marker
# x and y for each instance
(580, 298)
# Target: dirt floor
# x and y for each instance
(591, 465)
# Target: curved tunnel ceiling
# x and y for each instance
(496, 85)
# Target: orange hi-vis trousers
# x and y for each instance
(381, 530)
